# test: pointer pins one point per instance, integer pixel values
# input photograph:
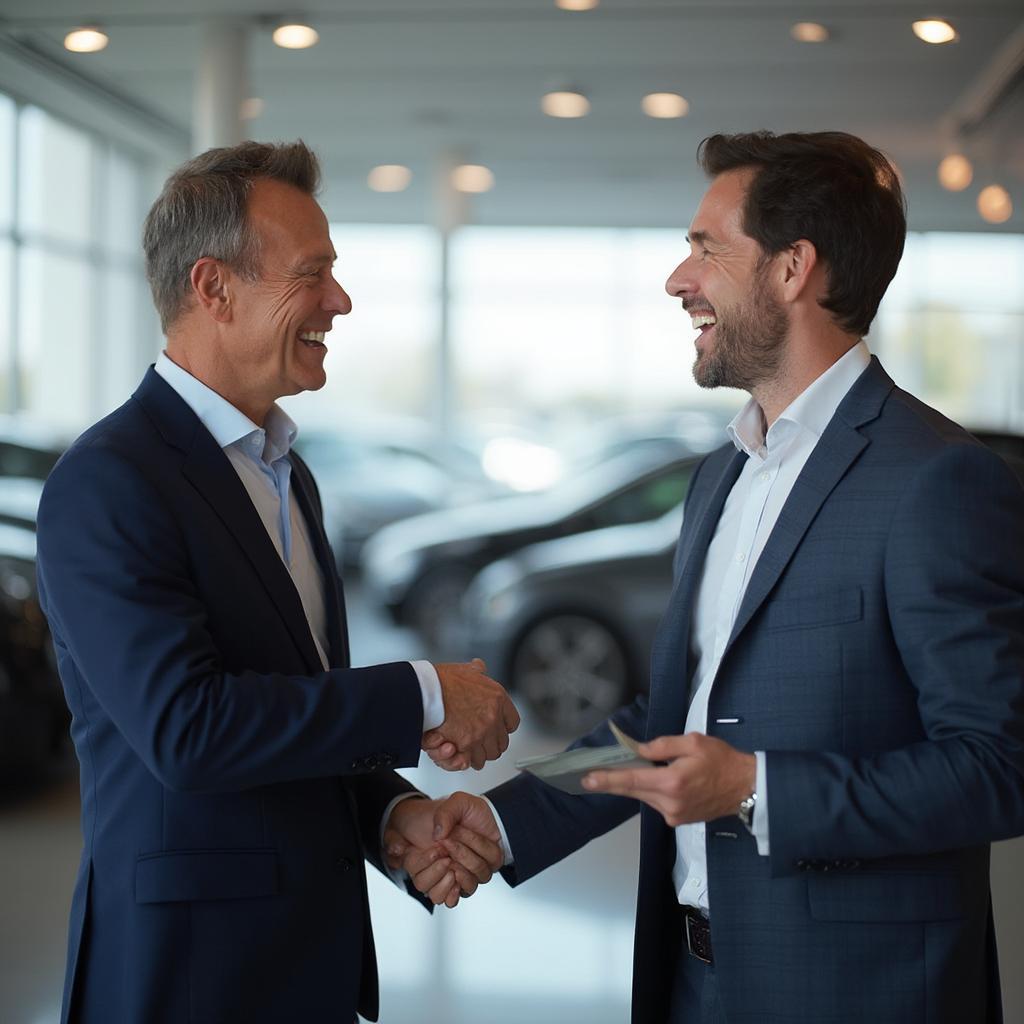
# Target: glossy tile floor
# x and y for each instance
(558, 949)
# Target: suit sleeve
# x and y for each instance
(954, 583)
(116, 586)
(544, 824)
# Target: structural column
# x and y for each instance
(221, 84)
(450, 213)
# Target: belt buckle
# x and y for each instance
(694, 945)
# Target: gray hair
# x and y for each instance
(202, 212)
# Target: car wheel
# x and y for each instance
(571, 670)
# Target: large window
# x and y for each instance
(951, 328)
(74, 331)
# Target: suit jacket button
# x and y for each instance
(803, 865)
(342, 864)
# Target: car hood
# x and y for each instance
(599, 548)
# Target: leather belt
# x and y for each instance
(698, 934)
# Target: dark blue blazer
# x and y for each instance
(878, 659)
(231, 787)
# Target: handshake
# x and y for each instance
(449, 847)
(478, 717)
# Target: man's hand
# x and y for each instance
(448, 847)
(478, 718)
(705, 778)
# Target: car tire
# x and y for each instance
(572, 671)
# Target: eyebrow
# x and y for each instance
(321, 260)
(699, 237)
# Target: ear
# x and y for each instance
(211, 286)
(797, 268)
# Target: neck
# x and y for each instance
(805, 360)
(219, 377)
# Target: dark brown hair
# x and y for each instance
(832, 189)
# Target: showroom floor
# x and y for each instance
(557, 949)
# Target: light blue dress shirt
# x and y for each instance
(259, 455)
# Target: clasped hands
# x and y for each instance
(449, 847)
(478, 717)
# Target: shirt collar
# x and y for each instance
(811, 410)
(227, 424)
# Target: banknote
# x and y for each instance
(566, 769)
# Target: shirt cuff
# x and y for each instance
(759, 826)
(397, 875)
(506, 850)
(430, 689)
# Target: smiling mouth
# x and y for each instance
(313, 339)
(703, 322)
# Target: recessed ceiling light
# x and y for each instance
(568, 103)
(935, 31)
(472, 178)
(664, 104)
(389, 178)
(809, 32)
(577, 5)
(995, 204)
(296, 36)
(86, 40)
(252, 108)
(955, 172)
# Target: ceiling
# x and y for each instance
(417, 81)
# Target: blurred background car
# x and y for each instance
(420, 568)
(370, 478)
(33, 715)
(568, 624)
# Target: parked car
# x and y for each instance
(33, 715)
(419, 569)
(368, 480)
(568, 624)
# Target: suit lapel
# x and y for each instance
(832, 457)
(207, 468)
(334, 600)
(671, 657)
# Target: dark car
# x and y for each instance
(33, 714)
(368, 480)
(568, 624)
(419, 569)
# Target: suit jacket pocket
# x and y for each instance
(837, 896)
(814, 608)
(178, 875)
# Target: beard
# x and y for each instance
(748, 342)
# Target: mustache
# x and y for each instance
(698, 305)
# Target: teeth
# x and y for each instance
(703, 319)
(313, 336)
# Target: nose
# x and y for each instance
(682, 281)
(336, 300)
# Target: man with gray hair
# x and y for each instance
(235, 770)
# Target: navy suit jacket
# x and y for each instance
(231, 787)
(878, 659)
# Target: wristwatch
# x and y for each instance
(746, 812)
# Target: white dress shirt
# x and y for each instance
(259, 455)
(774, 461)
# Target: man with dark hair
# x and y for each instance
(836, 708)
(235, 770)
